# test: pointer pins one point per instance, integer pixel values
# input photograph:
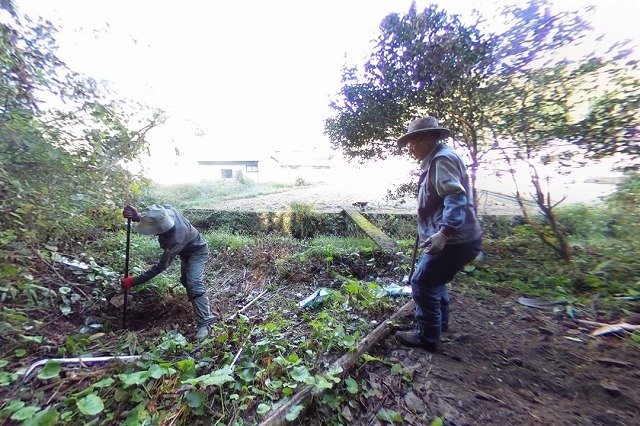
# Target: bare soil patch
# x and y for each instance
(504, 364)
(501, 363)
(333, 198)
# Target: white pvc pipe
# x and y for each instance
(84, 360)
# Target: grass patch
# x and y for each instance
(221, 240)
(206, 193)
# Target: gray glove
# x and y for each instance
(436, 242)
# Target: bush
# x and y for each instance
(304, 221)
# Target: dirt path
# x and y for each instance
(334, 197)
(504, 364)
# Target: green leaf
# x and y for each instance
(322, 383)
(247, 374)
(104, 383)
(65, 309)
(294, 412)
(17, 317)
(7, 378)
(31, 339)
(300, 373)
(3, 362)
(48, 417)
(368, 358)
(24, 413)
(216, 378)
(194, 399)
(223, 337)
(353, 287)
(13, 406)
(276, 384)
(187, 366)
(437, 422)
(19, 353)
(50, 370)
(396, 369)
(156, 371)
(352, 385)
(90, 405)
(263, 408)
(389, 416)
(137, 378)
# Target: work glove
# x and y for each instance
(127, 283)
(130, 212)
(436, 243)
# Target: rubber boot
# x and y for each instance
(205, 317)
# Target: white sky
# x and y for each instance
(254, 74)
(258, 70)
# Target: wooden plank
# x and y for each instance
(380, 238)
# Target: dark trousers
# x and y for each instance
(429, 286)
(192, 272)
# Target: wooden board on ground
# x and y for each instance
(380, 238)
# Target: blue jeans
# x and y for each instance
(429, 286)
(192, 272)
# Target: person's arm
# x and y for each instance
(449, 186)
(163, 263)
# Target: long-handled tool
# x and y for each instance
(413, 258)
(126, 272)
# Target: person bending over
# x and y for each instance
(177, 237)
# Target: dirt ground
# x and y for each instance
(505, 364)
(502, 363)
(328, 197)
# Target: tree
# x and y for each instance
(63, 141)
(540, 103)
(423, 63)
(491, 89)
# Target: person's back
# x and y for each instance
(182, 234)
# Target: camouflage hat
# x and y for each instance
(155, 220)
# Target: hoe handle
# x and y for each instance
(413, 257)
(126, 272)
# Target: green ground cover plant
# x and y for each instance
(259, 357)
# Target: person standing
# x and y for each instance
(178, 238)
(448, 229)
